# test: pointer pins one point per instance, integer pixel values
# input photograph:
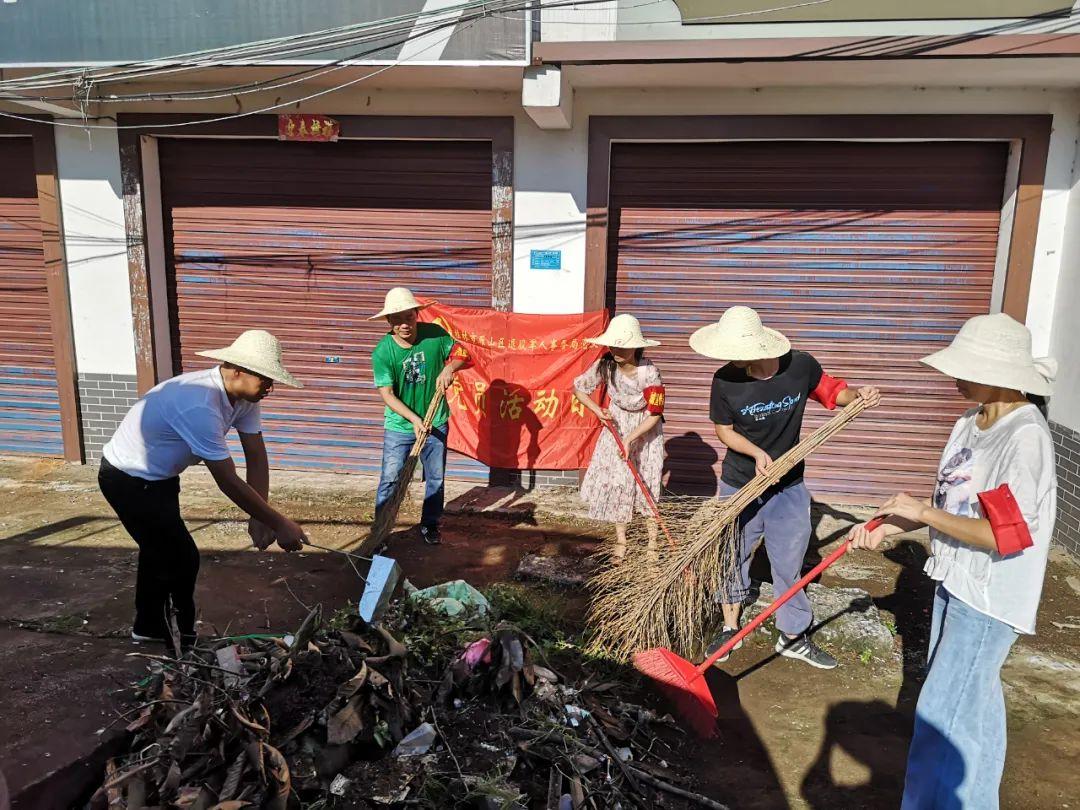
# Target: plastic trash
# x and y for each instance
(452, 598)
(575, 714)
(477, 652)
(417, 742)
(340, 785)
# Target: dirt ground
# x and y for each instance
(793, 736)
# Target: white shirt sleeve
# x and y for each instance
(1029, 467)
(250, 421)
(203, 429)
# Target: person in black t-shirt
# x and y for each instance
(757, 404)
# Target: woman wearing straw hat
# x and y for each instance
(757, 404)
(636, 395)
(991, 519)
(177, 424)
(412, 363)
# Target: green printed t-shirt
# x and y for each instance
(412, 372)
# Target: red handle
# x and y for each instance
(641, 484)
(757, 621)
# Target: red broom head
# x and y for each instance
(687, 690)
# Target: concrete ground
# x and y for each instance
(798, 737)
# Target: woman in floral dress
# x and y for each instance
(636, 405)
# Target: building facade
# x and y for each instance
(866, 180)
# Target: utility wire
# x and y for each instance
(318, 42)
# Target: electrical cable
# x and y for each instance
(320, 42)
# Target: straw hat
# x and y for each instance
(257, 351)
(739, 335)
(624, 332)
(995, 350)
(399, 299)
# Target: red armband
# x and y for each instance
(459, 352)
(828, 390)
(1011, 533)
(654, 399)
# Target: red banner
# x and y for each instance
(307, 127)
(514, 406)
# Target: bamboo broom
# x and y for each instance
(386, 516)
(641, 605)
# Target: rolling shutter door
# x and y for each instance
(29, 398)
(304, 240)
(867, 255)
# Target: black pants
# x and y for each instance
(168, 556)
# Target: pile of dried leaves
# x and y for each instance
(422, 712)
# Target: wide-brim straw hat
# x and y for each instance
(624, 332)
(257, 351)
(995, 350)
(739, 335)
(398, 299)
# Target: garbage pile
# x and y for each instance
(428, 710)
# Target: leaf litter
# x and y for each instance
(423, 711)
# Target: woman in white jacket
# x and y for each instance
(990, 519)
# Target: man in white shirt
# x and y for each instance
(181, 422)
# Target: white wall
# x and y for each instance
(1065, 343)
(549, 214)
(95, 244)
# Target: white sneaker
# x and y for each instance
(803, 649)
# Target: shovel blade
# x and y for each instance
(382, 579)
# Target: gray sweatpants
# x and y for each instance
(782, 517)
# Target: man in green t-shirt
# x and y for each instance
(411, 366)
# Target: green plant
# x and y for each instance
(343, 619)
(890, 625)
(494, 786)
(534, 611)
(866, 656)
(382, 734)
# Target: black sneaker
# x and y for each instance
(431, 535)
(720, 641)
(803, 649)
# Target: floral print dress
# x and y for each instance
(609, 488)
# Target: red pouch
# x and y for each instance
(1011, 533)
(654, 399)
(828, 390)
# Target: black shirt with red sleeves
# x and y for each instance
(767, 412)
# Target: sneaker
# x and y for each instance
(806, 650)
(431, 535)
(140, 638)
(720, 641)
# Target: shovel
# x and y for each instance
(685, 683)
(382, 578)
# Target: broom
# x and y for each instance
(685, 684)
(387, 515)
(642, 605)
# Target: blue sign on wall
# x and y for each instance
(545, 260)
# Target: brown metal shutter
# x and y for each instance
(304, 240)
(867, 255)
(29, 398)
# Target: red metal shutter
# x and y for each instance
(29, 398)
(867, 255)
(304, 240)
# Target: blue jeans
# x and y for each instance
(958, 749)
(396, 447)
(782, 517)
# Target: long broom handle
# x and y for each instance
(758, 620)
(429, 417)
(641, 484)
